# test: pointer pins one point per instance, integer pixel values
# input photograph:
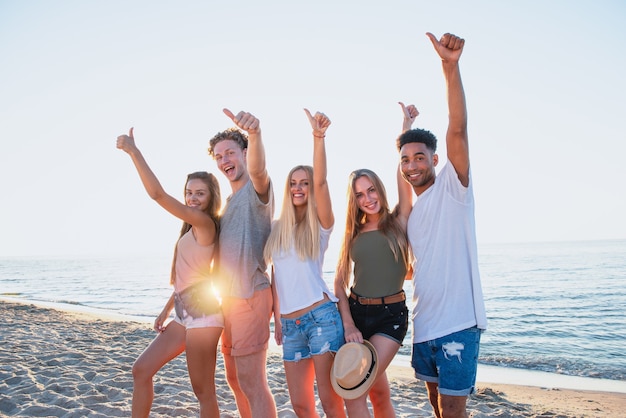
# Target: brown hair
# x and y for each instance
(355, 218)
(213, 209)
(233, 134)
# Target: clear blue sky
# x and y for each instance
(544, 83)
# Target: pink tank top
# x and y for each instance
(193, 262)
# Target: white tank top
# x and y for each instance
(300, 283)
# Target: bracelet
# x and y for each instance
(319, 136)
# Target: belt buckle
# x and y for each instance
(363, 300)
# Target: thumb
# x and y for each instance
(130, 132)
(228, 113)
(433, 39)
(405, 110)
(308, 114)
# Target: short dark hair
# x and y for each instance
(233, 134)
(418, 135)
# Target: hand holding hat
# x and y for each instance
(354, 369)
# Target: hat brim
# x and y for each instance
(365, 387)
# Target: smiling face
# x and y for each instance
(299, 188)
(417, 164)
(197, 194)
(366, 196)
(231, 160)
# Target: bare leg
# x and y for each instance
(380, 394)
(300, 381)
(433, 397)
(166, 346)
(331, 402)
(252, 378)
(357, 408)
(452, 406)
(243, 406)
(201, 357)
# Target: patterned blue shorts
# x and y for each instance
(316, 332)
(450, 361)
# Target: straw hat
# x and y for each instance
(354, 369)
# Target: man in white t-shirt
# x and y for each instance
(449, 313)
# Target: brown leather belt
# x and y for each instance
(395, 298)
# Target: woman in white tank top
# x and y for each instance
(307, 322)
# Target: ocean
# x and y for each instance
(554, 307)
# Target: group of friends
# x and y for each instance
(342, 340)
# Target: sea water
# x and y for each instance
(551, 307)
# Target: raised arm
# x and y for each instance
(405, 191)
(409, 114)
(152, 185)
(320, 123)
(449, 48)
(255, 155)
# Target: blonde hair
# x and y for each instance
(355, 219)
(287, 233)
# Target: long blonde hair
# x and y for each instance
(213, 210)
(355, 219)
(287, 232)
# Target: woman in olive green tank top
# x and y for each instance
(373, 264)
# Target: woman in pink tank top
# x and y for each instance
(193, 332)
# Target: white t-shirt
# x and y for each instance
(300, 283)
(447, 294)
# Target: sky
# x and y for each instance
(544, 85)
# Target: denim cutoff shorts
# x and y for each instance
(189, 322)
(449, 361)
(390, 320)
(316, 332)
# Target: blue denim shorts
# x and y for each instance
(449, 361)
(316, 332)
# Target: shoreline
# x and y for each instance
(75, 363)
(487, 374)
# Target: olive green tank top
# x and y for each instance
(376, 271)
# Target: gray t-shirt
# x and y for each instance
(244, 227)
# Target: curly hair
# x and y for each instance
(418, 135)
(233, 134)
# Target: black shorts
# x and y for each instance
(390, 320)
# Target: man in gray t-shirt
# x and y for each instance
(246, 295)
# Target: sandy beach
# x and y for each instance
(66, 364)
